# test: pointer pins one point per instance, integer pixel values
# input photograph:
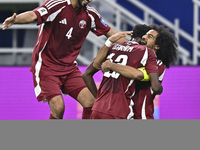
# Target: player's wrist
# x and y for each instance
(108, 43)
(111, 65)
(146, 76)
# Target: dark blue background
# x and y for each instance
(170, 9)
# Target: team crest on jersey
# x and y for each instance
(82, 24)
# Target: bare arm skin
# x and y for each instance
(23, 18)
(133, 73)
(88, 79)
(95, 66)
(101, 56)
(102, 53)
(112, 32)
(155, 84)
(126, 71)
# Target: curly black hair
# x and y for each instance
(139, 30)
(167, 43)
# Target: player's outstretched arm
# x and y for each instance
(9, 21)
(88, 79)
(23, 18)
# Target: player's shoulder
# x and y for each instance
(134, 44)
(160, 65)
(142, 48)
(151, 52)
(56, 4)
(93, 11)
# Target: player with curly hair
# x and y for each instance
(117, 87)
(164, 44)
(165, 47)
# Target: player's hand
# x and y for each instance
(9, 21)
(105, 66)
(119, 35)
(142, 42)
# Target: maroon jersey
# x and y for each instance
(143, 99)
(115, 91)
(61, 35)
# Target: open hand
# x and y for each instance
(119, 35)
(9, 21)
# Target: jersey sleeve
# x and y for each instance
(49, 10)
(161, 69)
(151, 62)
(98, 26)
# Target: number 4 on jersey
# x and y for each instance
(69, 33)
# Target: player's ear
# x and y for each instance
(157, 47)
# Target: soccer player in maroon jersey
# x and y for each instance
(165, 47)
(115, 92)
(164, 44)
(138, 31)
(64, 26)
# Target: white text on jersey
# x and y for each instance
(122, 48)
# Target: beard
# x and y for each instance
(79, 2)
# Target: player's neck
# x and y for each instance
(75, 4)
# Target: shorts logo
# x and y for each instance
(103, 23)
(82, 24)
(42, 11)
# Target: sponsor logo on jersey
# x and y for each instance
(43, 11)
(64, 21)
(103, 23)
(82, 24)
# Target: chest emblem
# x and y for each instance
(82, 24)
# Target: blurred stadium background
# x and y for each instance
(180, 99)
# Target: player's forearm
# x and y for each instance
(88, 79)
(101, 56)
(25, 18)
(155, 84)
(127, 71)
(157, 91)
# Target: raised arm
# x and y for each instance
(112, 32)
(102, 53)
(96, 64)
(23, 18)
